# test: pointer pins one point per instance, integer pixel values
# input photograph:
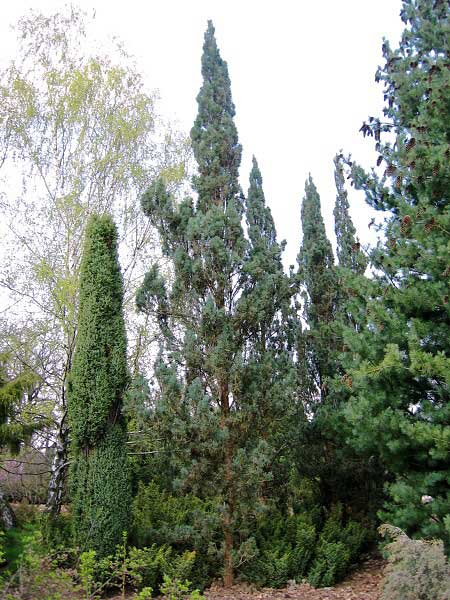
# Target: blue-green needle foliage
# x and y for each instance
(224, 367)
(399, 366)
(348, 248)
(318, 275)
(99, 474)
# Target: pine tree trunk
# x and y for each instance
(228, 553)
(228, 516)
(7, 515)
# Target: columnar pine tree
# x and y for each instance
(348, 248)
(322, 451)
(223, 366)
(352, 263)
(400, 371)
(99, 474)
(317, 273)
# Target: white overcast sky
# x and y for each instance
(302, 76)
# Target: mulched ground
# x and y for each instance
(363, 584)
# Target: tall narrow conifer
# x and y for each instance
(100, 481)
(348, 249)
(317, 273)
(223, 355)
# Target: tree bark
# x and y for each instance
(56, 484)
(227, 521)
(7, 515)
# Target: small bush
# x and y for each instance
(56, 531)
(147, 565)
(32, 575)
(354, 537)
(141, 569)
(417, 569)
(339, 545)
(303, 550)
(330, 564)
(185, 523)
(273, 567)
(176, 589)
(282, 549)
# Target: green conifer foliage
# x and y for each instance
(317, 273)
(400, 385)
(17, 420)
(224, 367)
(14, 428)
(100, 480)
(322, 450)
(348, 248)
(266, 279)
(214, 134)
(351, 282)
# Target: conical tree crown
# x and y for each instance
(348, 250)
(261, 227)
(99, 370)
(100, 488)
(267, 290)
(317, 274)
(223, 362)
(316, 259)
(214, 134)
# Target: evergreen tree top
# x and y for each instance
(260, 222)
(317, 273)
(316, 248)
(214, 135)
(348, 252)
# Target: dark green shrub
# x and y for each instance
(56, 531)
(332, 529)
(303, 550)
(274, 564)
(183, 522)
(338, 547)
(354, 537)
(284, 547)
(330, 564)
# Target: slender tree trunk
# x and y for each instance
(227, 521)
(59, 471)
(228, 552)
(7, 515)
(56, 485)
(227, 524)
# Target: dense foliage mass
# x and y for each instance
(400, 366)
(99, 473)
(283, 415)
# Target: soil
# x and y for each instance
(362, 584)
